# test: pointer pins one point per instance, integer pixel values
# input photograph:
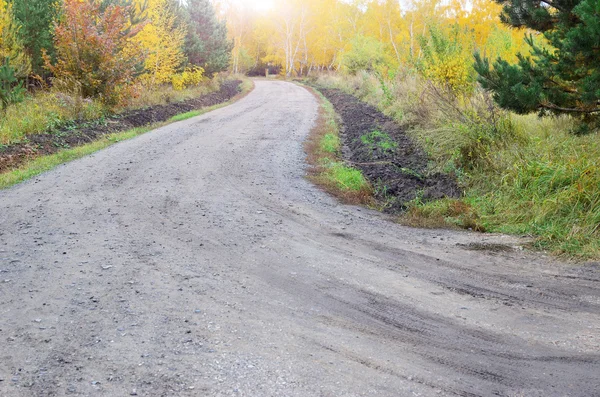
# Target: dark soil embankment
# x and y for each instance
(393, 163)
(14, 155)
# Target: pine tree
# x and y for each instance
(11, 89)
(206, 43)
(562, 74)
(35, 18)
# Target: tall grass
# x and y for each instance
(44, 112)
(520, 174)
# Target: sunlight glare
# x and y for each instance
(258, 5)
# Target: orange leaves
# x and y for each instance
(90, 56)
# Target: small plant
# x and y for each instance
(330, 143)
(347, 178)
(379, 139)
(11, 91)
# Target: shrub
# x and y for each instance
(11, 91)
(90, 50)
(447, 60)
(190, 77)
(366, 53)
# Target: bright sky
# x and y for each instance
(259, 5)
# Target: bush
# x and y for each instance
(90, 51)
(188, 78)
(11, 91)
(366, 54)
(447, 60)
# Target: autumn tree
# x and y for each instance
(90, 52)
(561, 75)
(291, 22)
(206, 41)
(161, 39)
(35, 19)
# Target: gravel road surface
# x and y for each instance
(196, 260)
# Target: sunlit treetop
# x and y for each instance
(258, 5)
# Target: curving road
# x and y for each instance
(196, 260)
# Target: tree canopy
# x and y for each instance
(206, 43)
(562, 73)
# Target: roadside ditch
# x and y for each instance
(394, 165)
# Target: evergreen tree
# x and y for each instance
(35, 18)
(562, 74)
(206, 43)
(11, 89)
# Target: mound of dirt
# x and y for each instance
(14, 155)
(393, 163)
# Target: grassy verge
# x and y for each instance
(520, 175)
(42, 164)
(328, 171)
(47, 111)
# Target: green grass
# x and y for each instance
(521, 175)
(330, 143)
(380, 140)
(185, 116)
(346, 178)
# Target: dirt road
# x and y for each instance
(196, 260)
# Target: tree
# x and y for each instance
(367, 54)
(562, 75)
(90, 52)
(161, 40)
(10, 43)
(206, 42)
(35, 19)
(11, 90)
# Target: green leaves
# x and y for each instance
(206, 42)
(35, 20)
(563, 74)
(11, 91)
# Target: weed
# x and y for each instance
(330, 143)
(379, 139)
(346, 178)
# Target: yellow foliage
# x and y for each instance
(188, 78)
(306, 35)
(9, 45)
(161, 41)
(451, 71)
